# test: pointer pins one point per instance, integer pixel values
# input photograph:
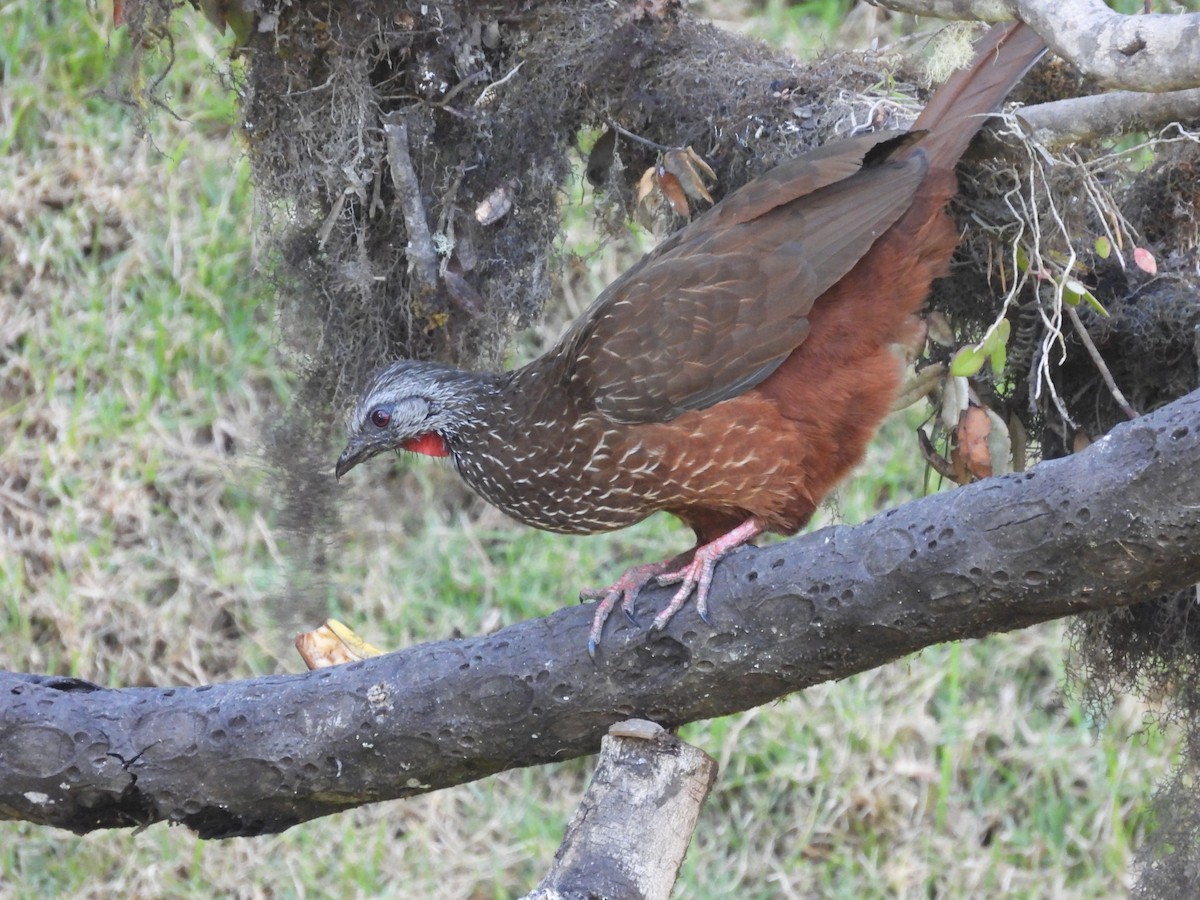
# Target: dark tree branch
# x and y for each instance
(1110, 526)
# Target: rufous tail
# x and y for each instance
(958, 109)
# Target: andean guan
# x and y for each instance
(733, 375)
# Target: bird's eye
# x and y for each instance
(380, 417)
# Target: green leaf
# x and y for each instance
(1073, 291)
(996, 346)
(998, 357)
(1022, 259)
(1000, 333)
(967, 361)
(1095, 304)
(1103, 247)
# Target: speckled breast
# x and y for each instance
(573, 475)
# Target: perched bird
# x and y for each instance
(733, 375)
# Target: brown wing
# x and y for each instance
(716, 309)
(782, 184)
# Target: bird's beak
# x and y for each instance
(354, 453)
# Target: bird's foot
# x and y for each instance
(626, 589)
(693, 577)
(696, 577)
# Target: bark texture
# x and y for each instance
(1107, 527)
(633, 826)
(1148, 52)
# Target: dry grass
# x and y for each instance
(140, 546)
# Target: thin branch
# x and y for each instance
(1082, 119)
(421, 253)
(1101, 365)
(637, 138)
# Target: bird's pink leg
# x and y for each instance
(697, 575)
(626, 589)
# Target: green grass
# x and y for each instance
(815, 17)
(137, 368)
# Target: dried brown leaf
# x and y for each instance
(691, 171)
(670, 188)
(333, 644)
(972, 455)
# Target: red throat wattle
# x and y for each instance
(432, 444)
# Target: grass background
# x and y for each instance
(140, 545)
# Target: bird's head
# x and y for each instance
(409, 405)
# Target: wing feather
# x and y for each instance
(715, 309)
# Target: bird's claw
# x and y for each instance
(694, 577)
(697, 575)
(606, 599)
(626, 590)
